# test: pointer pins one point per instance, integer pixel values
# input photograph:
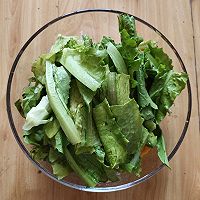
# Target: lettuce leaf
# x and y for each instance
(61, 43)
(59, 164)
(116, 88)
(116, 58)
(144, 99)
(34, 136)
(62, 83)
(38, 68)
(162, 150)
(86, 67)
(51, 128)
(92, 166)
(60, 110)
(165, 88)
(86, 176)
(31, 97)
(40, 152)
(38, 115)
(129, 38)
(110, 134)
(134, 165)
(86, 93)
(82, 116)
(129, 120)
(60, 169)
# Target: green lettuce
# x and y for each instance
(116, 58)
(61, 42)
(85, 63)
(144, 99)
(31, 96)
(110, 134)
(51, 128)
(60, 110)
(83, 119)
(38, 115)
(91, 108)
(134, 164)
(116, 88)
(62, 83)
(130, 122)
(165, 88)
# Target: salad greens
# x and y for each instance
(91, 108)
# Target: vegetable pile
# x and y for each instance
(95, 108)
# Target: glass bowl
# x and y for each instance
(96, 23)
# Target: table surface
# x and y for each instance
(20, 18)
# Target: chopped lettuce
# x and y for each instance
(144, 99)
(60, 169)
(86, 93)
(116, 58)
(34, 136)
(165, 89)
(59, 108)
(31, 97)
(116, 88)
(79, 170)
(82, 116)
(38, 115)
(51, 128)
(110, 134)
(95, 108)
(162, 150)
(62, 83)
(85, 67)
(129, 120)
(134, 165)
(60, 43)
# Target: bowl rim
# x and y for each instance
(44, 170)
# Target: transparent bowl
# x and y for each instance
(96, 23)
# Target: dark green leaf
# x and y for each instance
(162, 150)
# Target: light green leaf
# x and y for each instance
(116, 58)
(86, 69)
(38, 115)
(51, 128)
(59, 109)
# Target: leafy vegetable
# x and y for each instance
(165, 89)
(110, 134)
(60, 169)
(51, 128)
(116, 88)
(38, 115)
(162, 150)
(134, 165)
(129, 120)
(60, 43)
(144, 99)
(62, 83)
(59, 108)
(86, 177)
(85, 67)
(117, 58)
(31, 97)
(95, 108)
(83, 119)
(86, 93)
